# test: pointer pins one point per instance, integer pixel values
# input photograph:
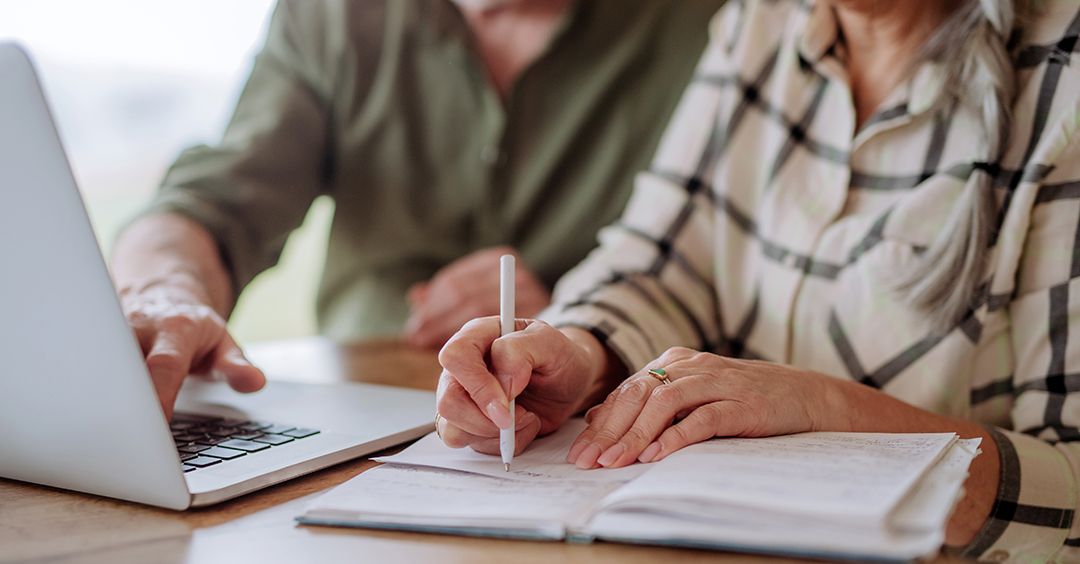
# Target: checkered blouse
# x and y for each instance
(770, 227)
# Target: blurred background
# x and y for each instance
(133, 82)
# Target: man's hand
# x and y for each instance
(180, 335)
(466, 289)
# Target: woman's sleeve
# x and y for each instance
(1034, 515)
(650, 283)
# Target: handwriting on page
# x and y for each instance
(855, 475)
(545, 459)
(425, 495)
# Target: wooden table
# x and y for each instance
(43, 524)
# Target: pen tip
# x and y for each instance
(506, 467)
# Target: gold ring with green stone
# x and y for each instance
(660, 374)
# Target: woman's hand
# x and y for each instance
(552, 374)
(709, 396)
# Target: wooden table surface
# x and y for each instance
(39, 524)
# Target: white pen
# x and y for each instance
(506, 322)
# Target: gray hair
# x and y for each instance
(972, 47)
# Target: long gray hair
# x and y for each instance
(972, 46)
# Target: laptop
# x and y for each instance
(77, 407)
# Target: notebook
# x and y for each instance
(831, 495)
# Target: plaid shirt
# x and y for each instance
(770, 227)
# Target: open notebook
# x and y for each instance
(839, 495)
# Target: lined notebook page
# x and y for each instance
(442, 499)
(849, 476)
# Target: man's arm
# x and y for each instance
(176, 294)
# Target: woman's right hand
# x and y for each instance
(180, 335)
(553, 375)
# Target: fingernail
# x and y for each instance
(588, 457)
(649, 453)
(498, 414)
(575, 450)
(612, 454)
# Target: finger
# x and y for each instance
(456, 437)
(530, 348)
(658, 413)
(238, 370)
(455, 405)
(417, 292)
(628, 401)
(527, 429)
(168, 362)
(463, 358)
(702, 424)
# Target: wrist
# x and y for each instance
(837, 404)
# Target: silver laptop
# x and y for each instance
(77, 407)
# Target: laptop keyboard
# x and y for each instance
(205, 441)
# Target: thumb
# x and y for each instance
(237, 369)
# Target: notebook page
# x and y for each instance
(545, 459)
(400, 496)
(848, 476)
(931, 502)
(917, 528)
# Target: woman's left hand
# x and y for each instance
(709, 395)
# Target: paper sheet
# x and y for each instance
(916, 529)
(848, 476)
(545, 459)
(417, 495)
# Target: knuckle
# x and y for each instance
(710, 416)
(454, 437)
(668, 397)
(605, 437)
(678, 435)
(637, 436)
(634, 390)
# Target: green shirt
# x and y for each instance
(385, 107)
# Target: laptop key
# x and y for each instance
(274, 439)
(203, 461)
(301, 433)
(277, 429)
(224, 431)
(185, 457)
(188, 468)
(192, 449)
(246, 446)
(247, 436)
(189, 438)
(208, 440)
(222, 453)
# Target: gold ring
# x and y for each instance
(437, 418)
(660, 374)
